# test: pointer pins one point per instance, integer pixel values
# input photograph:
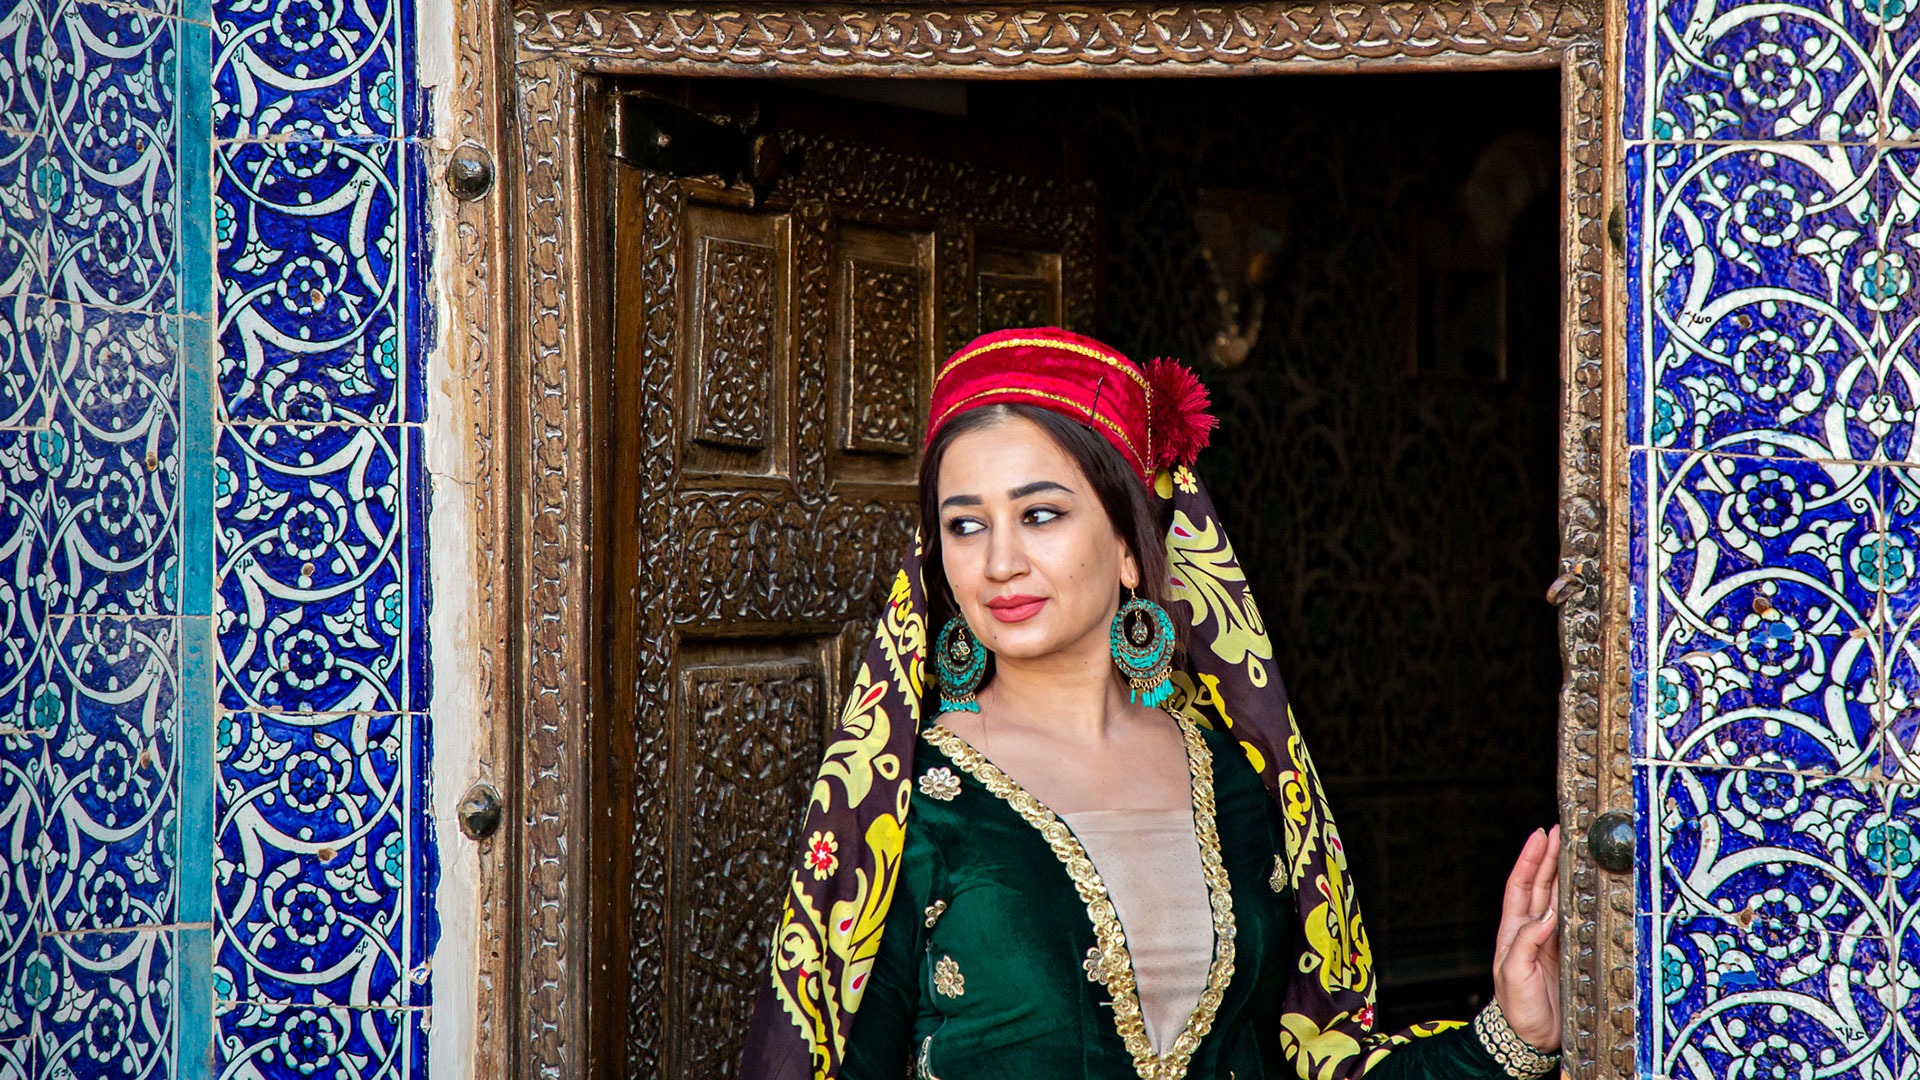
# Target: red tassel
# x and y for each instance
(1182, 427)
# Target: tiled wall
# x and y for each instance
(213, 726)
(1771, 198)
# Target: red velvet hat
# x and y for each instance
(1155, 417)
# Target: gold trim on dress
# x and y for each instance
(1110, 963)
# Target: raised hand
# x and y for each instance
(1526, 955)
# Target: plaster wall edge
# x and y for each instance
(454, 651)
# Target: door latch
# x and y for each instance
(660, 136)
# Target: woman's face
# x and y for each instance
(1034, 562)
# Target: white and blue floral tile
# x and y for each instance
(113, 226)
(112, 510)
(110, 1006)
(1723, 1000)
(313, 72)
(315, 281)
(1762, 648)
(317, 821)
(1733, 70)
(276, 1041)
(1900, 63)
(1769, 852)
(320, 573)
(1767, 285)
(108, 782)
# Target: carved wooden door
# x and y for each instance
(771, 371)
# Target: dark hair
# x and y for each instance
(1125, 498)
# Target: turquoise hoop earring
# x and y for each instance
(961, 662)
(1143, 650)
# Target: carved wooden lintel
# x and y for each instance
(942, 40)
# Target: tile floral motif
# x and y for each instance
(112, 512)
(1774, 854)
(293, 1042)
(312, 863)
(309, 236)
(1736, 70)
(1772, 294)
(23, 568)
(316, 533)
(108, 776)
(1900, 62)
(110, 1005)
(303, 69)
(1731, 1001)
(24, 375)
(1762, 646)
(107, 182)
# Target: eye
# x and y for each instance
(961, 526)
(1040, 515)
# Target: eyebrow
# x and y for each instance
(1015, 494)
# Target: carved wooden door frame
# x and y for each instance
(528, 347)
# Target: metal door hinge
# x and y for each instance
(659, 136)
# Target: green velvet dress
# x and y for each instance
(1002, 958)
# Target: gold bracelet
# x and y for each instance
(1517, 1059)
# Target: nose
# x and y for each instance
(1006, 558)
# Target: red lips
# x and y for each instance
(1012, 609)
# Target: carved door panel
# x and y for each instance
(770, 376)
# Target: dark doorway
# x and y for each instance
(1389, 478)
(1365, 272)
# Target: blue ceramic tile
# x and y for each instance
(1644, 474)
(310, 71)
(296, 1042)
(423, 868)
(317, 536)
(21, 824)
(1733, 70)
(1899, 63)
(110, 191)
(26, 374)
(27, 989)
(113, 524)
(23, 66)
(1756, 263)
(116, 372)
(113, 90)
(112, 1007)
(109, 775)
(312, 860)
(1769, 853)
(1738, 1002)
(23, 574)
(1896, 335)
(1764, 652)
(312, 282)
(24, 164)
(1636, 66)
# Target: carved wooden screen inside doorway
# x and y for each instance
(770, 374)
(528, 342)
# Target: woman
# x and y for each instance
(1116, 863)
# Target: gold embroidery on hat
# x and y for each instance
(1108, 358)
(1106, 422)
